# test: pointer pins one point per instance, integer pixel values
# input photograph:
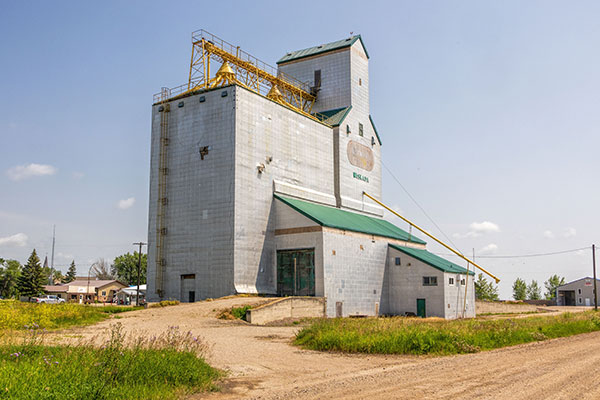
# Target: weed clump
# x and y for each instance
(165, 303)
(234, 313)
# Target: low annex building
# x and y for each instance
(256, 192)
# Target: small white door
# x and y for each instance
(588, 302)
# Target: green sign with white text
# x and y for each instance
(361, 177)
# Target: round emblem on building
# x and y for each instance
(360, 156)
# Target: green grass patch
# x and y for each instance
(118, 309)
(17, 315)
(240, 312)
(234, 313)
(398, 335)
(166, 367)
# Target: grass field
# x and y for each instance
(19, 315)
(399, 335)
(165, 367)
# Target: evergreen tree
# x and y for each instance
(71, 273)
(533, 291)
(485, 290)
(551, 284)
(31, 280)
(520, 289)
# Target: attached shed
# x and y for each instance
(577, 293)
(424, 284)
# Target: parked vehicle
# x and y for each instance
(48, 299)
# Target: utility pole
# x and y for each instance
(52, 257)
(595, 283)
(137, 292)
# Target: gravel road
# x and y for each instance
(261, 363)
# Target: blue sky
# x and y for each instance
(488, 113)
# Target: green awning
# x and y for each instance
(433, 260)
(333, 117)
(349, 221)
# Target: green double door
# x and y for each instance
(296, 272)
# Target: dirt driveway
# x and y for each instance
(263, 365)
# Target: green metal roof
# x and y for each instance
(311, 51)
(341, 219)
(432, 259)
(333, 117)
(375, 129)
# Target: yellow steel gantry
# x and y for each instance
(241, 68)
(431, 236)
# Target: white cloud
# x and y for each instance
(19, 239)
(489, 249)
(570, 232)
(484, 227)
(78, 175)
(548, 234)
(126, 203)
(478, 229)
(21, 172)
(65, 256)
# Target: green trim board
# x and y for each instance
(432, 260)
(375, 129)
(348, 221)
(333, 117)
(323, 48)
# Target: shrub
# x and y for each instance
(234, 313)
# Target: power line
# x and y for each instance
(527, 255)
(421, 208)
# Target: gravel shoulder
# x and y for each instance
(262, 364)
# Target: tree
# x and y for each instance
(46, 271)
(57, 276)
(551, 284)
(485, 290)
(9, 275)
(520, 289)
(533, 291)
(31, 281)
(125, 268)
(71, 273)
(101, 270)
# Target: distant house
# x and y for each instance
(577, 293)
(127, 295)
(84, 290)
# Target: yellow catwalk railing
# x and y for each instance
(235, 66)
